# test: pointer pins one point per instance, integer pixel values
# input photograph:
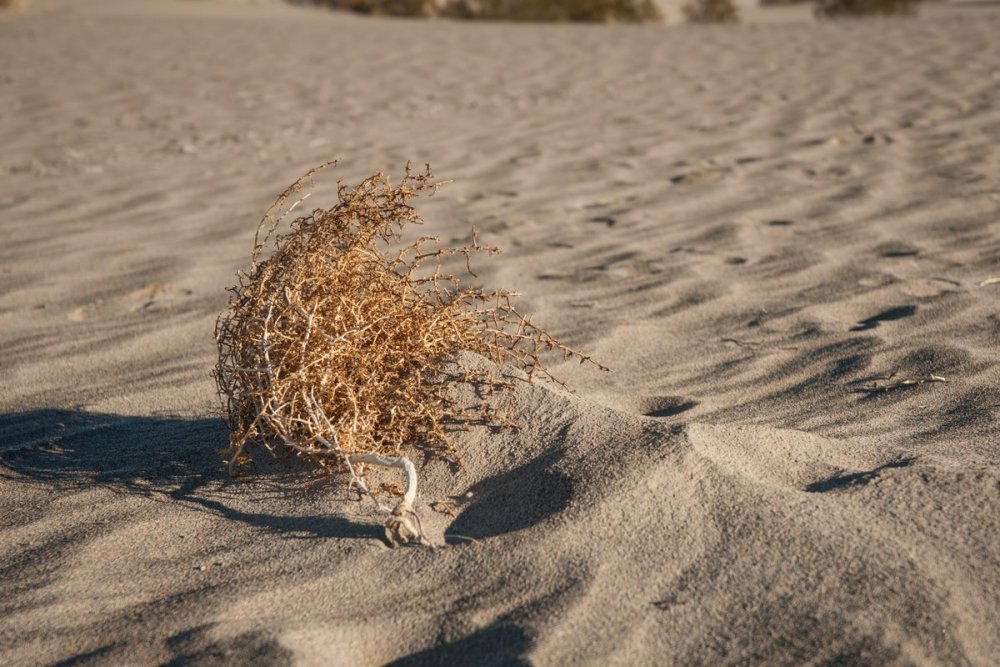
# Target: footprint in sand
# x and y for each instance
(649, 405)
(604, 220)
(665, 406)
(154, 297)
(926, 288)
(698, 177)
(875, 138)
(897, 313)
(895, 249)
(845, 481)
(789, 459)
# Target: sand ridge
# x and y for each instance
(763, 229)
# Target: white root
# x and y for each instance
(403, 526)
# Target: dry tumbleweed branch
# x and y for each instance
(341, 345)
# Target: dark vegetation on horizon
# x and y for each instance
(831, 9)
(377, 7)
(598, 11)
(629, 11)
(827, 9)
(711, 11)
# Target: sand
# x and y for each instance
(753, 226)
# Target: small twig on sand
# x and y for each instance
(892, 383)
(745, 344)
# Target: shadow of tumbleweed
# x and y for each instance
(163, 458)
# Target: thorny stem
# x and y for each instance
(400, 462)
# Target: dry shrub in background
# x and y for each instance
(627, 11)
(378, 7)
(711, 11)
(341, 346)
(632, 11)
(859, 8)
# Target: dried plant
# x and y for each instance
(627, 11)
(379, 7)
(831, 9)
(631, 11)
(711, 11)
(342, 345)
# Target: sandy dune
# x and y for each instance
(751, 225)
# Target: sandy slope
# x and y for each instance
(749, 224)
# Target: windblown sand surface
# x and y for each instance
(751, 225)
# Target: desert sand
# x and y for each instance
(783, 237)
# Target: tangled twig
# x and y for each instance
(338, 345)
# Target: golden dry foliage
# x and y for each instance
(832, 9)
(343, 341)
(711, 11)
(599, 11)
(630, 11)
